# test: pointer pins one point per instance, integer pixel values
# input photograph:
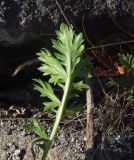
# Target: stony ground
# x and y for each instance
(114, 137)
(15, 142)
(113, 130)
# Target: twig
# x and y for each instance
(84, 31)
(80, 120)
(104, 92)
(119, 26)
(110, 44)
(62, 12)
(89, 127)
(71, 23)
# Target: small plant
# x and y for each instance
(119, 73)
(126, 80)
(66, 68)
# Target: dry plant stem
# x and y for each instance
(58, 117)
(84, 31)
(119, 26)
(110, 44)
(89, 127)
(104, 92)
(62, 12)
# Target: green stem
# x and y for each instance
(58, 116)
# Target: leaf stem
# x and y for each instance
(67, 90)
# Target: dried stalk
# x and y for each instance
(89, 126)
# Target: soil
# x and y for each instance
(16, 142)
(113, 141)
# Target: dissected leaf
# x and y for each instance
(128, 61)
(62, 67)
(70, 47)
(50, 106)
(80, 86)
(46, 90)
(114, 69)
(37, 128)
(51, 66)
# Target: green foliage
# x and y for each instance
(130, 97)
(65, 67)
(73, 108)
(46, 91)
(128, 61)
(125, 81)
(37, 128)
(80, 86)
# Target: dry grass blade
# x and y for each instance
(23, 65)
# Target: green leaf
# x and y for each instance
(50, 106)
(130, 97)
(37, 128)
(128, 61)
(70, 47)
(83, 70)
(80, 86)
(46, 90)
(51, 66)
(73, 109)
(62, 67)
(38, 139)
(111, 82)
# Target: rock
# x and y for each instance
(27, 26)
(15, 97)
(18, 146)
(21, 21)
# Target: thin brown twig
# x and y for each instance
(62, 12)
(119, 26)
(104, 92)
(84, 31)
(71, 23)
(110, 44)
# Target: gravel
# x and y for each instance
(15, 142)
